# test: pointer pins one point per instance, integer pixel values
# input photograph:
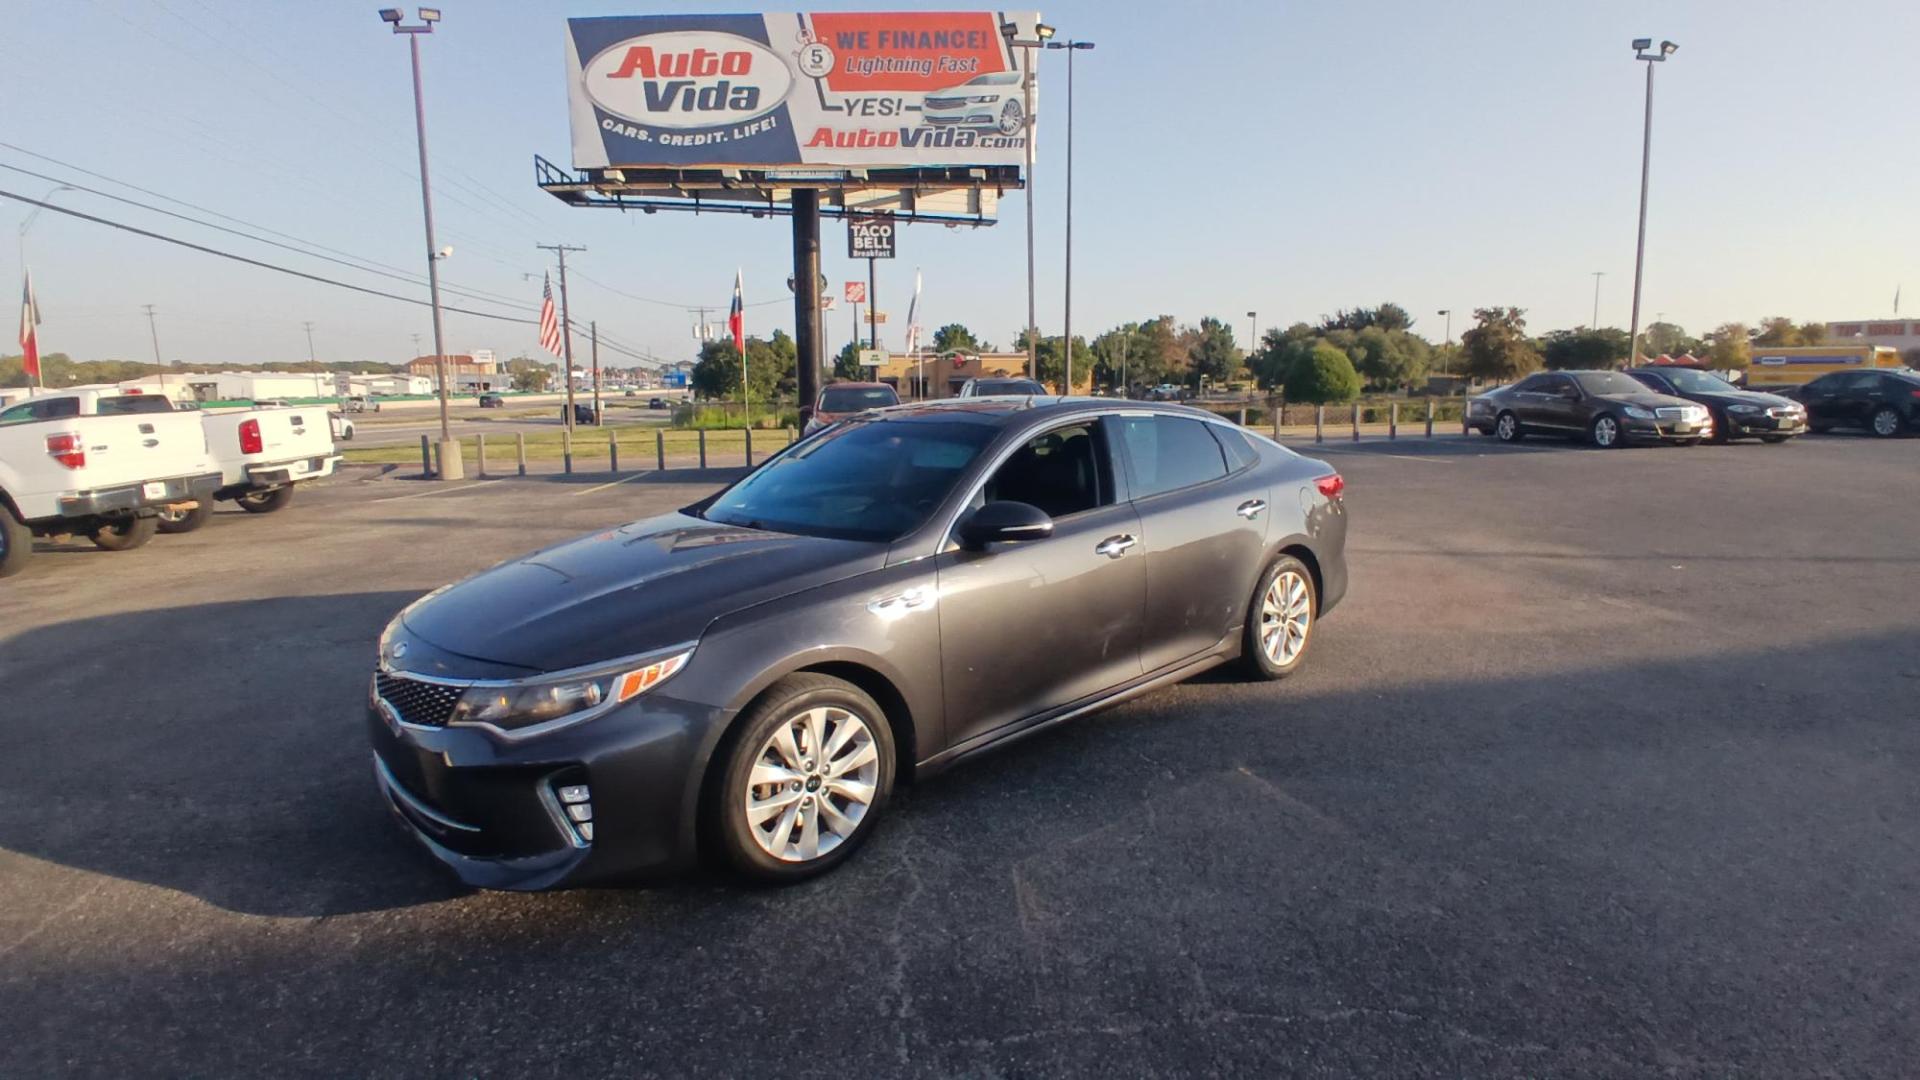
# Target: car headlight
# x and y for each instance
(1744, 410)
(543, 699)
(985, 99)
(1638, 413)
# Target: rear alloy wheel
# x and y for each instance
(266, 502)
(1280, 620)
(1605, 432)
(125, 534)
(809, 770)
(1011, 117)
(1885, 423)
(1507, 428)
(174, 520)
(16, 543)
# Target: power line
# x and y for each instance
(652, 300)
(253, 262)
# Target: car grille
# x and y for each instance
(1780, 412)
(1674, 413)
(944, 102)
(422, 704)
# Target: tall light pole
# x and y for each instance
(1032, 39)
(154, 332)
(1447, 313)
(450, 464)
(1253, 330)
(1641, 47)
(308, 327)
(1597, 275)
(1067, 318)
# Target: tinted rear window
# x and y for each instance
(836, 399)
(1169, 452)
(1008, 386)
(132, 403)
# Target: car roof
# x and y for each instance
(1000, 411)
(848, 385)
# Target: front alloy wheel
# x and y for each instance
(806, 772)
(1606, 432)
(1886, 423)
(1507, 427)
(1011, 117)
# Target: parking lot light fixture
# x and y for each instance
(1641, 47)
(1032, 39)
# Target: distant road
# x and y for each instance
(374, 429)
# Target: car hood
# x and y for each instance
(1645, 399)
(1740, 397)
(627, 590)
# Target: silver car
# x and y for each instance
(992, 100)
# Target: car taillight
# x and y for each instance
(1915, 393)
(67, 449)
(250, 442)
(1331, 485)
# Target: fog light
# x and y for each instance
(585, 829)
(580, 811)
(574, 793)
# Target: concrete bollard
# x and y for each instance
(482, 463)
(520, 450)
(426, 456)
(1319, 423)
(1465, 428)
(660, 450)
(613, 452)
(1356, 421)
(1429, 418)
(1393, 419)
(749, 448)
(1243, 416)
(703, 448)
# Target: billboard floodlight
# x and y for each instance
(392, 15)
(429, 14)
(1668, 48)
(1642, 44)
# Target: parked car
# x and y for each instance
(262, 453)
(99, 464)
(1736, 413)
(750, 675)
(656, 403)
(492, 401)
(359, 403)
(844, 399)
(998, 387)
(1606, 408)
(342, 427)
(632, 393)
(992, 101)
(582, 413)
(1884, 402)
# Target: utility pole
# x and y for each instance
(155, 333)
(1067, 319)
(593, 328)
(1597, 275)
(416, 344)
(566, 325)
(309, 328)
(450, 465)
(1033, 44)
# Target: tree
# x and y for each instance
(1212, 353)
(1729, 347)
(1388, 316)
(1051, 362)
(847, 364)
(533, 379)
(956, 336)
(1583, 348)
(1497, 347)
(717, 373)
(1669, 339)
(1325, 375)
(1781, 332)
(1389, 358)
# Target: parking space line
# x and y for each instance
(437, 491)
(613, 483)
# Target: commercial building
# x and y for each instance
(1901, 334)
(472, 371)
(940, 375)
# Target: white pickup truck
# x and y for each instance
(99, 464)
(118, 467)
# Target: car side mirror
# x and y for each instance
(1003, 523)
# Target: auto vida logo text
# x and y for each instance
(687, 79)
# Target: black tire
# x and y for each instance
(266, 502)
(1254, 657)
(1884, 423)
(16, 543)
(1604, 432)
(1774, 440)
(186, 521)
(125, 534)
(1721, 429)
(1506, 428)
(732, 836)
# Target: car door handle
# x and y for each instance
(149, 442)
(1251, 508)
(1114, 546)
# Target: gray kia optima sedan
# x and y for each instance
(748, 677)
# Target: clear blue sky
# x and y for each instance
(1285, 157)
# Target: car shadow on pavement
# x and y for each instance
(215, 749)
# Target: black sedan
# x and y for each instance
(1606, 408)
(583, 413)
(1885, 403)
(750, 676)
(1737, 413)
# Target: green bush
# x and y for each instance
(1324, 375)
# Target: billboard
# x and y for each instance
(791, 91)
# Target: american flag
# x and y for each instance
(549, 322)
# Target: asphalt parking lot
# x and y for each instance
(1606, 766)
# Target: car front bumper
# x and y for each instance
(490, 807)
(1746, 427)
(1639, 430)
(151, 494)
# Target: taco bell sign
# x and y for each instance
(855, 89)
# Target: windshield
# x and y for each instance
(1691, 381)
(996, 78)
(1008, 386)
(1608, 382)
(865, 480)
(845, 399)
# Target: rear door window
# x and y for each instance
(1166, 453)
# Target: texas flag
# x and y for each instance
(30, 339)
(737, 318)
